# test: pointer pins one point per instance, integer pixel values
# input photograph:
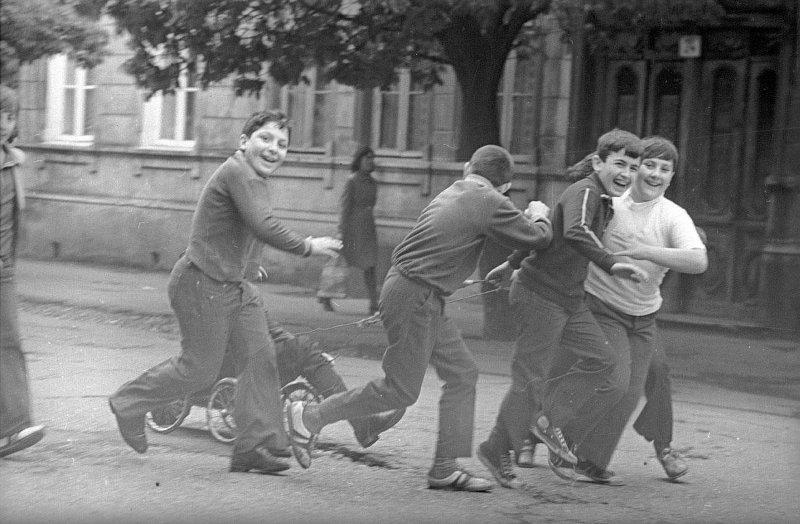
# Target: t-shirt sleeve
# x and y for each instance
(683, 233)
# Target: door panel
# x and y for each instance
(720, 114)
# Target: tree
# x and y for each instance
(32, 29)
(357, 43)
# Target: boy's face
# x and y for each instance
(7, 123)
(616, 172)
(265, 149)
(652, 179)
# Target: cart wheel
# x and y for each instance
(169, 416)
(292, 392)
(219, 412)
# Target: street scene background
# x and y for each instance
(87, 329)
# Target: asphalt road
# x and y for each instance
(743, 450)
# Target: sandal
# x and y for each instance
(460, 480)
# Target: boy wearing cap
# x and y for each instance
(433, 260)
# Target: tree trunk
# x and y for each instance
(479, 121)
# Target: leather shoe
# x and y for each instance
(377, 424)
(132, 430)
(258, 459)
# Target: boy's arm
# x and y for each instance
(514, 229)
(580, 208)
(688, 256)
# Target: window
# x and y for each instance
(311, 109)
(401, 116)
(169, 119)
(516, 105)
(70, 101)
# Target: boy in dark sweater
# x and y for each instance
(434, 259)
(548, 299)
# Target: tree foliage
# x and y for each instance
(32, 29)
(363, 43)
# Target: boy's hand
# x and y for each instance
(499, 274)
(636, 250)
(325, 246)
(536, 210)
(630, 271)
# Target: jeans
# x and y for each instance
(587, 376)
(633, 337)
(215, 315)
(529, 367)
(655, 421)
(15, 402)
(419, 333)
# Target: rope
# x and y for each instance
(376, 318)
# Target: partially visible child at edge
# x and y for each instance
(17, 430)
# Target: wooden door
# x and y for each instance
(720, 113)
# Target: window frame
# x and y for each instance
(56, 102)
(152, 116)
(506, 98)
(404, 92)
(303, 130)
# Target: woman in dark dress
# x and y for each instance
(357, 223)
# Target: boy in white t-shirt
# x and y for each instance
(659, 235)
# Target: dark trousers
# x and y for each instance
(15, 402)
(529, 369)
(213, 316)
(585, 378)
(633, 337)
(654, 423)
(419, 333)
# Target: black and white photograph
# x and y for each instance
(399, 261)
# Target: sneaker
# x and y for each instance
(585, 471)
(553, 438)
(460, 480)
(499, 465)
(673, 465)
(20, 440)
(526, 453)
(561, 467)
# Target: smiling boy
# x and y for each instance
(548, 301)
(217, 308)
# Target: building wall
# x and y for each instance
(115, 201)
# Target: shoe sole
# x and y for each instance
(270, 471)
(581, 477)
(562, 472)
(23, 443)
(555, 448)
(678, 476)
(452, 485)
(302, 447)
(495, 473)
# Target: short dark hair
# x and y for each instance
(659, 147)
(617, 140)
(8, 100)
(492, 163)
(258, 119)
(360, 153)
